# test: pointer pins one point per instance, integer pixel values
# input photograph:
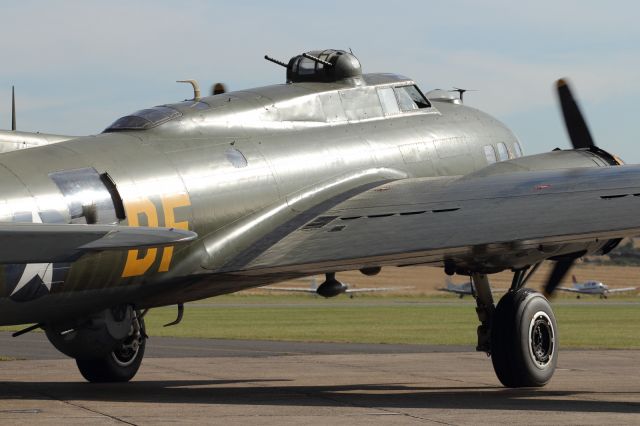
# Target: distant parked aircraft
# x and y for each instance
(463, 289)
(331, 288)
(594, 288)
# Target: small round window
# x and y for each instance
(236, 158)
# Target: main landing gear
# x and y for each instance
(520, 333)
(108, 346)
(119, 365)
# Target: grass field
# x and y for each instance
(444, 320)
(417, 314)
(439, 320)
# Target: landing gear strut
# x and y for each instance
(485, 310)
(520, 333)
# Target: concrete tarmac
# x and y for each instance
(284, 383)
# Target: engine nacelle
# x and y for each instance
(554, 160)
(331, 287)
(94, 336)
(371, 270)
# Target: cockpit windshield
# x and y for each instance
(410, 98)
(144, 119)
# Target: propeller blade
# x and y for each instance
(13, 108)
(557, 274)
(573, 119)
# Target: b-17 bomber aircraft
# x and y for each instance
(334, 170)
(596, 288)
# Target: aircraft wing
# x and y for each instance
(569, 289)
(45, 243)
(291, 289)
(428, 220)
(621, 290)
(454, 291)
(348, 291)
(373, 289)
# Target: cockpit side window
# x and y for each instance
(410, 98)
(388, 101)
(144, 119)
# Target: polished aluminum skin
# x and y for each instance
(265, 177)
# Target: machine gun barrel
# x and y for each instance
(275, 61)
(318, 60)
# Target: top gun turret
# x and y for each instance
(322, 66)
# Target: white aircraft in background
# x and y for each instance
(331, 288)
(594, 288)
(463, 289)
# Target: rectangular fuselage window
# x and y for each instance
(490, 154)
(517, 149)
(503, 153)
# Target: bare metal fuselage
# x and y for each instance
(227, 170)
(11, 140)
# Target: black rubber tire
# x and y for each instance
(524, 340)
(109, 369)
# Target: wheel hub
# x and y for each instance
(126, 353)
(541, 339)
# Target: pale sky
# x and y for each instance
(79, 65)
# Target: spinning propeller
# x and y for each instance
(573, 120)
(580, 139)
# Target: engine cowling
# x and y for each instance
(554, 160)
(331, 287)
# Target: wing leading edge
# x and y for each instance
(621, 290)
(495, 220)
